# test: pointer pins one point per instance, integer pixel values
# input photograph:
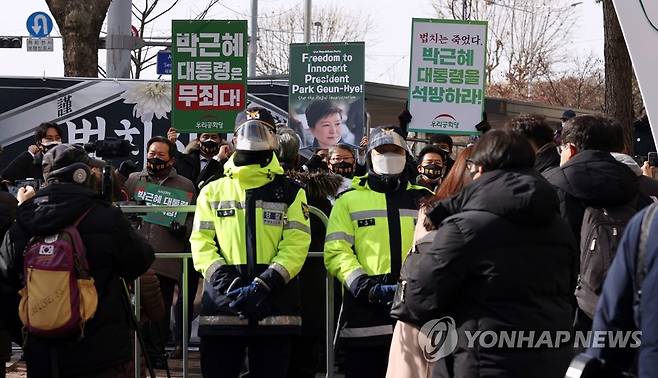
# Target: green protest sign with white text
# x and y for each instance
(156, 195)
(208, 74)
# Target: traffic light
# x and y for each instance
(11, 42)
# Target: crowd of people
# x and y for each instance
(527, 229)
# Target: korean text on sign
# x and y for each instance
(211, 45)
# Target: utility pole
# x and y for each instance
(307, 21)
(253, 40)
(119, 42)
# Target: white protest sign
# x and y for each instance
(447, 74)
(639, 23)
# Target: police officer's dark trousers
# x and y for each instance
(223, 356)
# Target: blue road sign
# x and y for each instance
(39, 25)
(164, 62)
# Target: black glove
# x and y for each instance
(177, 230)
(382, 294)
(360, 288)
(127, 167)
(250, 301)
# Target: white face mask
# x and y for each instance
(389, 163)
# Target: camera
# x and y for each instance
(110, 148)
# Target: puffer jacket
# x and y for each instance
(593, 178)
(159, 236)
(114, 251)
(504, 261)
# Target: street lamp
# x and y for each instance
(318, 30)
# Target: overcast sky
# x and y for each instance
(387, 46)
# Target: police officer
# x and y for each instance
(250, 238)
(370, 229)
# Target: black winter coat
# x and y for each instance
(504, 261)
(189, 166)
(593, 178)
(114, 250)
(547, 158)
(24, 166)
(8, 297)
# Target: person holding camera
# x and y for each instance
(28, 163)
(172, 238)
(113, 250)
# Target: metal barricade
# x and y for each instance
(329, 291)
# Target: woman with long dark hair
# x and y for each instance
(405, 358)
(502, 262)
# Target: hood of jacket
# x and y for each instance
(318, 184)
(629, 161)
(596, 178)
(54, 208)
(520, 196)
(253, 175)
(547, 158)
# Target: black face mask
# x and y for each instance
(157, 166)
(343, 168)
(433, 172)
(209, 147)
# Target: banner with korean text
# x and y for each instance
(209, 74)
(326, 93)
(156, 195)
(447, 75)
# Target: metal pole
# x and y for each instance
(138, 349)
(253, 41)
(119, 40)
(185, 307)
(307, 21)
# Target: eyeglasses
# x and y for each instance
(562, 148)
(470, 165)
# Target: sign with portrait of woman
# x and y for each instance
(326, 93)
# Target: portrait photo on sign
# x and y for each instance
(325, 123)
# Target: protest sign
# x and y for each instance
(156, 195)
(209, 74)
(326, 93)
(447, 75)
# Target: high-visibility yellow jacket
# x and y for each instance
(254, 222)
(369, 234)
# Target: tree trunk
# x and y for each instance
(618, 74)
(80, 23)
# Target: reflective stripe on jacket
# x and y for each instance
(370, 233)
(260, 221)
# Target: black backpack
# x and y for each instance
(586, 366)
(600, 234)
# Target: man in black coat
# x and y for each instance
(114, 251)
(505, 261)
(28, 163)
(204, 158)
(590, 176)
(540, 136)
